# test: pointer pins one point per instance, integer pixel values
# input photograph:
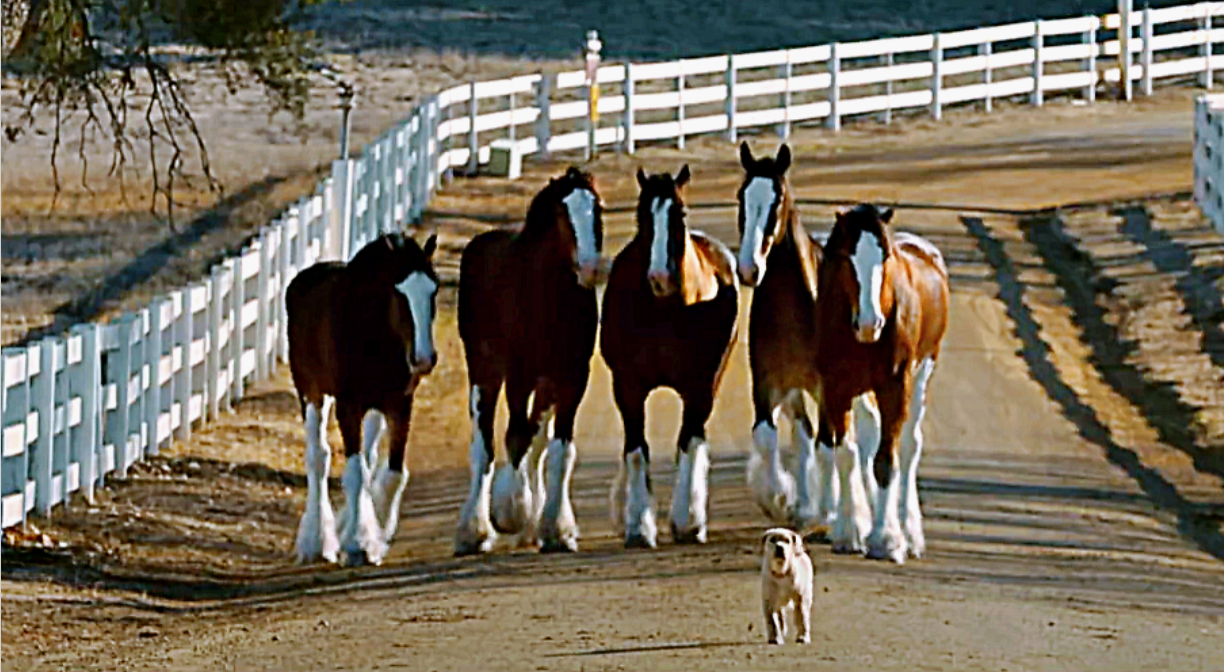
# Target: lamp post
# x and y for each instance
(591, 49)
(346, 107)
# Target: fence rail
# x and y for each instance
(79, 407)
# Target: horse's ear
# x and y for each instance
(746, 159)
(886, 215)
(431, 246)
(783, 160)
(641, 177)
(683, 177)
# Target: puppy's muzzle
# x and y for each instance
(779, 552)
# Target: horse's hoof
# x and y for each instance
(360, 558)
(559, 546)
(470, 547)
(696, 535)
(887, 549)
(639, 541)
(847, 548)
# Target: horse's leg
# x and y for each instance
(867, 436)
(814, 480)
(911, 453)
(372, 427)
(361, 536)
(887, 540)
(511, 501)
(475, 532)
(316, 537)
(543, 408)
(690, 496)
(558, 529)
(392, 475)
(853, 512)
(631, 499)
(772, 486)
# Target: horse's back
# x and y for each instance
(932, 283)
(481, 290)
(311, 302)
(922, 249)
(717, 255)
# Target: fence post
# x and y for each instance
(1124, 52)
(936, 78)
(43, 392)
(212, 376)
(24, 402)
(984, 50)
(1206, 48)
(153, 357)
(680, 106)
(544, 122)
(433, 152)
(1090, 64)
(139, 359)
(262, 314)
(341, 211)
(1038, 97)
(87, 383)
(286, 274)
(888, 88)
(627, 116)
(1146, 57)
(834, 120)
(117, 428)
(183, 337)
(729, 105)
(473, 138)
(237, 335)
(784, 99)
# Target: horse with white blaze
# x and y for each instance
(361, 336)
(781, 260)
(527, 319)
(669, 320)
(883, 311)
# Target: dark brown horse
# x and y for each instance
(669, 315)
(883, 311)
(528, 318)
(781, 260)
(360, 333)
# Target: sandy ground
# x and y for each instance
(1071, 482)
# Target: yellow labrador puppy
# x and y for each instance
(786, 584)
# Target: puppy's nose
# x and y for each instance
(779, 552)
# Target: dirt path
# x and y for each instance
(1066, 528)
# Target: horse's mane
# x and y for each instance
(863, 217)
(542, 210)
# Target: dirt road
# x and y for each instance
(1065, 529)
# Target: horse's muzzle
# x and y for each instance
(588, 273)
(750, 275)
(868, 331)
(661, 283)
(423, 365)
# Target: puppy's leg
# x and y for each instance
(773, 628)
(803, 617)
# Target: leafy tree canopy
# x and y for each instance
(87, 58)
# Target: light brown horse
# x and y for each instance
(883, 308)
(361, 334)
(781, 260)
(528, 318)
(669, 315)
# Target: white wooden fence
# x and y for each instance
(77, 408)
(1209, 157)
